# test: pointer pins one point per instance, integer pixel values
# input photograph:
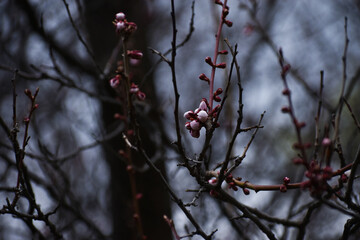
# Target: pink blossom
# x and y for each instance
(326, 142)
(120, 16)
(202, 116)
(195, 125)
(189, 114)
(140, 95)
(203, 106)
(114, 82)
(212, 181)
(120, 26)
(134, 88)
(135, 54)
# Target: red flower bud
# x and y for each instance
(135, 54)
(285, 69)
(326, 142)
(286, 180)
(221, 65)
(300, 124)
(246, 191)
(204, 77)
(28, 93)
(120, 16)
(298, 161)
(140, 96)
(286, 91)
(344, 178)
(218, 91)
(223, 52)
(228, 23)
(285, 109)
(283, 188)
(209, 61)
(217, 99)
(139, 196)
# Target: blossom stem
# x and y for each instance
(216, 53)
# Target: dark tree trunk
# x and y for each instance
(155, 202)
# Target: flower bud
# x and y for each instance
(217, 99)
(189, 115)
(225, 12)
(135, 54)
(195, 133)
(203, 106)
(223, 52)
(286, 180)
(213, 193)
(246, 191)
(204, 77)
(134, 88)
(120, 26)
(202, 116)
(286, 91)
(283, 188)
(285, 109)
(28, 93)
(120, 16)
(114, 82)
(300, 124)
(138, 196)
(209, 61)
(195, 125)
(131, 27)
(228, 23)
(344, 178)
(326, 142)
(298, 161)
(218, 91)
(140, 95)
(221, 65)
(212, 181)
(285, 69)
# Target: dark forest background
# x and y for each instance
(69, 50)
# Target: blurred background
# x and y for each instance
(69, 49)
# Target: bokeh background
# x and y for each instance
(72, 156)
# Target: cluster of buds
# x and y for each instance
(230, 181)
(283, 187)
(134, 89)
(318, 178)
(34, 105)
(225, 12)
(134, 56)
(199, 117)
(123, 26)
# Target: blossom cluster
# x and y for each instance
(197, 119)
(318, 178)
(123, 26)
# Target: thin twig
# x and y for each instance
(352, 114)
(318, 114)
(80, 37)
